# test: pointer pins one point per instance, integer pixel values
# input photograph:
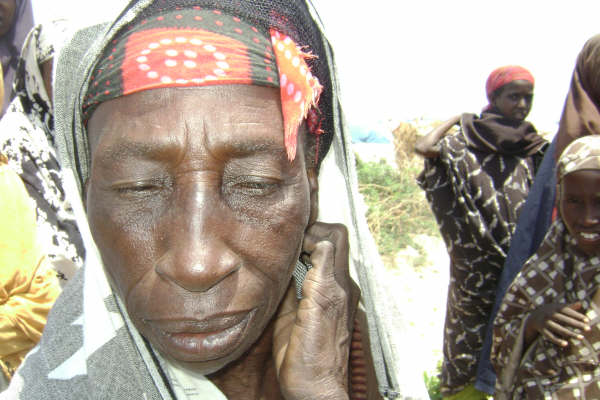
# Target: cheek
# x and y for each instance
(569, 214)
(123, 238)
(274, 242)
(270, 250)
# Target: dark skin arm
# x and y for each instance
(557, 322)
(428, 145)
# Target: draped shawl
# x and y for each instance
(476, 195)
(557, 273)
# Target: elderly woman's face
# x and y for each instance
(580, 208)
(198, 214)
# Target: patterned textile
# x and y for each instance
(579, 155)
(557, 272)
(206, 47)
(476, 197)
(27, 139)
(533, 223)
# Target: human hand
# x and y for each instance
(557, 322)
(312, 336)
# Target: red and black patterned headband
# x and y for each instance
(199, 47)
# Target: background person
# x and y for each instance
(546, 331)
(476, 182)
(579, 118)
(28, 284)
(27, 140)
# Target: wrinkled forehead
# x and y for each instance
(189, 118)
(196, 47)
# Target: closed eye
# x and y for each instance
(252, 185)
(144, 187)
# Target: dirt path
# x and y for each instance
(420, 297)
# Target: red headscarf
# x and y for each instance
(503, 75)
(199, 47)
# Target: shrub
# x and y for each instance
(432, 383)
(397, 208)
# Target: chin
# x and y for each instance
(202, 367)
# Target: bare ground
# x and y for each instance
(420, 298)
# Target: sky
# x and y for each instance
(404, 59)
(401, 60)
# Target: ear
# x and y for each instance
(313, 183)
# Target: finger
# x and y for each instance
(570, 311)
(329, 282)
(559, 329)
(575, 321)
(337, 235)
(322, 258)
(548, 335)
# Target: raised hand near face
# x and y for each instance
(312, 335)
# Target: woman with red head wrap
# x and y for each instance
(476, 182)
(196, 130)
(580, 117)
(504, 75)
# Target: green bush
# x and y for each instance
(432, 383)
(397, 208)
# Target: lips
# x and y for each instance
(201, 340)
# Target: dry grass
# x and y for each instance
(398, 210)
(405, 136)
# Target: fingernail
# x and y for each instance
(586, 328)
(580, 337)
(564, 343)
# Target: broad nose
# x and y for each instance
(197, 256)
(523, 103)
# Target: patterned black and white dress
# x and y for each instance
(27, 140)
(476, 195)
